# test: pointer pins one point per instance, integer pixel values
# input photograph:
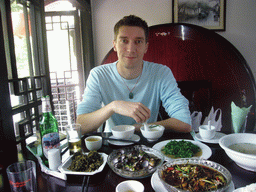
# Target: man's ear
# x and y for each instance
(114, 45)
(146, 48)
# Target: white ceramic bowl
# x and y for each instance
(123, 131)
(93, 142)
(246, 161)
(154, 133)
(207, 133)
(130, 185)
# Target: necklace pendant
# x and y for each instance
(130, 95)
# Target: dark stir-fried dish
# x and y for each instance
(180, 149)
(193, 177)
(135, 160)
(86, 163)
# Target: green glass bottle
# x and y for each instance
(49, 130)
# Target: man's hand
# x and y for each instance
(139, 112)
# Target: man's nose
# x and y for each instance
(131, 47)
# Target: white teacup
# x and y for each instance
(93, 143)
(130, 186)
(207, 133)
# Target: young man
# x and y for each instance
(130, 90)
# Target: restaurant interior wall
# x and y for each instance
(240, 23)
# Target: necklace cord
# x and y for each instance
(131, 90)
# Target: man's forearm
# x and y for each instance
(171, 124)
(92, 121)
(175, 125)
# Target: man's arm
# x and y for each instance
(171, 124)
(92, 121)
(175, 125)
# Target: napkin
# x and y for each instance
(54, 158)
(196, 118)
(214, 118)
(238, 116)
(43, 167)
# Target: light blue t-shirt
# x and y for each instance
(156, 84)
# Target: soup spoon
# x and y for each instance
(146, 128)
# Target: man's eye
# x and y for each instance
(124, 41)
(138, 41)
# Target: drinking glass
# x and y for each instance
(74, 138)
(22, 176)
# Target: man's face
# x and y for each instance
(130, 45)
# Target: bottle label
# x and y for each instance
(50, 141)
(46, 106)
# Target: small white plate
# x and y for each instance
(241, 189)
(64, 167)
(135, 138)
(250, 187)
(206, 151)
(158, 186)
(215, 139)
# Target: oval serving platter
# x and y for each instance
(206, 151)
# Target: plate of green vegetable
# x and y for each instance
(84, 163)
(182, 148)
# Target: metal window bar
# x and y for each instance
(63, 90)
(32, 94)
(65, 101)
(31, 88)
(30, 62)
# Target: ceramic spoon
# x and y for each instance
(146, 128)
(209, 124)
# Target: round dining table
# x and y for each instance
(107, 180)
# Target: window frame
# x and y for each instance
(9, 74)
(39, 79)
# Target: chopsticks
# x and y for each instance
(122, 140)
(111, 139)
(85, 186)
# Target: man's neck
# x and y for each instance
(129, 73)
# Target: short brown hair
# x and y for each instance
(131, 20)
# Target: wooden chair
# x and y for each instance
(209, 70)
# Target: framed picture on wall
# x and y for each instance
(206, 13)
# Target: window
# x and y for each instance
(64, 49)
(28, 72)
(23, 51)
(69, 45)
